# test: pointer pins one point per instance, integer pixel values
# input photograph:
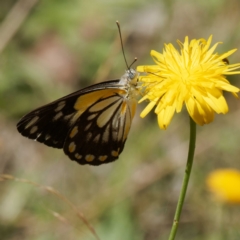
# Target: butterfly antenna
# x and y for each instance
(120, 34)
(135, 59)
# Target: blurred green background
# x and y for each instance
(61, 46)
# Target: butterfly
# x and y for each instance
(91, 125)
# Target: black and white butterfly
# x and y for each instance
(91, 125)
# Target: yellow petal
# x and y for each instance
(147, 109)
(224, 183)
(165, 116)
(195, 75)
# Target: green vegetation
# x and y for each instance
(63, 46)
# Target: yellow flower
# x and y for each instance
(225, 184)
(195, 76)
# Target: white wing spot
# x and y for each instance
(92, 116)
(72, 147)
(33, 129)
(103, 104)
(78, 156)
(60, 106)
(97, 138)
(114, 153)
(89, 157)
(88, 136)
(32, 122)
(74, 132)
(105, 136)
(38, 135)
(114, 134)
(47, 137)
(106, 115)
(67, 117)
(87, 127)
(57, 116)
(103, 158)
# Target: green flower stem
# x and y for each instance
(185, 180)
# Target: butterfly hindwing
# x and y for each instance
(100, 132)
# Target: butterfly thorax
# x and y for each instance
(130, 82)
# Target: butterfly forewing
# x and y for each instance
(91, 125)
(49, 124)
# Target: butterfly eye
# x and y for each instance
(132, 74)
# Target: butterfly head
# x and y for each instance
(132, 74)
(130, 78)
